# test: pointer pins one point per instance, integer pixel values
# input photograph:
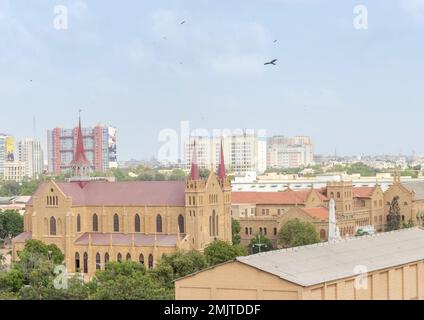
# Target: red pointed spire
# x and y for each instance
(80, 162)
(221, 167)
(194, 167)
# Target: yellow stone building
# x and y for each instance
(385, 266)
(411, 200)
(266, 212)
(94, 222)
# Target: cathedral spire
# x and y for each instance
(80, 164)
(194, 174)
(221, 167)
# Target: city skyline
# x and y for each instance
(137, 68)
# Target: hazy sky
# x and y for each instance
(132, 64)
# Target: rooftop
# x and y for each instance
(137, 193)
(415, 186)
(324, 262)
(284, 197)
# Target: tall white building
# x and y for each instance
(31, 154)
(243, 153)
(289, 152)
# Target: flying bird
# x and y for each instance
(275, 41)
(183, 22)
(271, 62)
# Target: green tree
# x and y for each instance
(127, 281)
(260, 243)
(220, 251)
(11, 223)
(235, 227)
(393, 218)
(296, 233)
(409, 224)
(178, 265)
(204, 173)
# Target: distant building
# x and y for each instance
(243, 153)
(14, 171)
(6, 151)
(31, 154)
(99, 143)
(293, 152)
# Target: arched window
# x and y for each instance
(137, 223)
(275, 231)
(98, 265)
(115, 223)
(128, 258)
(78, 223)
(119, 257)
(158, 223)
(213, 223)
(85, 262)
(141, 259)
(150, 261)
(250, 230)
(322, 234)
(217, 224)
(265, 231)
(260, 231)
(77, 262)
(210, 226)
(338, 195)
(52, 226)
(96, 223)
(246, 231)
(181, 226)
(106, 258)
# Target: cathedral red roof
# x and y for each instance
(363, 192)
(137, 193)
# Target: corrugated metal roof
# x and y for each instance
(315, 264)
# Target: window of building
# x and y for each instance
(275, 231)
(338, 195)
(77, 262)
(85, 262)
(158, 223)
(119, 257)
(405, 203)
(137, 223)
(322, 234)
(107, 258)
(78, 223)
(260, 230)
(96, 223)
(150, 261)
(98, 265)
(128, 257)
(181, 224)
(246, 231)
(52, 226)
(116, 223)
(250, 230)
(141, 259)
(265, 231)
